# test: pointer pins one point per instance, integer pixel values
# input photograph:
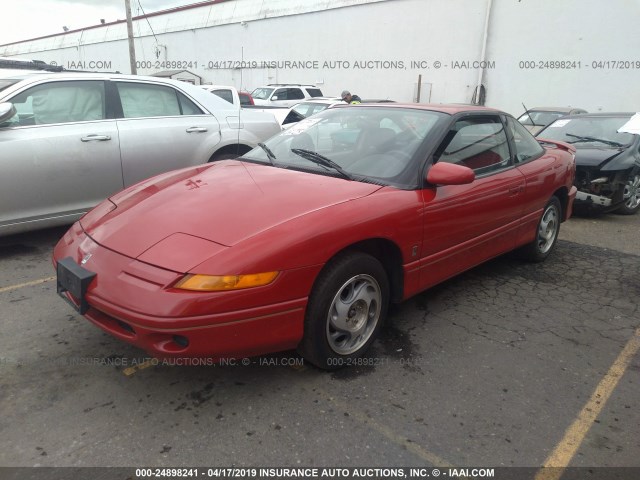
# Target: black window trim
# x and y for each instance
(114, 105)
(487, 113)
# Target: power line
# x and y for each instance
(147, 19)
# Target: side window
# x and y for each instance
(479, 143)
(314, 92)
(294, 94)
(59, 102)
(526, 147)
(224, 94)
(145, 100)
(280, 94)
(187, 106)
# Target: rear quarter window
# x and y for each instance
(526, 147)
(224, 94)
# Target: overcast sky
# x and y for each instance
(25, 19)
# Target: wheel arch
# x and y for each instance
(388, 254)
(562, 194)
(236, 149)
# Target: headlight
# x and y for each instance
(218, 283)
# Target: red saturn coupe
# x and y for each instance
(304, 241)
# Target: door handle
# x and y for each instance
(196, 130)
(515, 190)
(96, 138)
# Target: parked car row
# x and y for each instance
(293, 238)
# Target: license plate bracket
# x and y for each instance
(74, 279)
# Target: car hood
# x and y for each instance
(209, 208)
(592, 157)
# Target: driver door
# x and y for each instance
(468, 224)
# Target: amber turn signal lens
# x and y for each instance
(218, 283)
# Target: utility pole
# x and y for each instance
(132, 48)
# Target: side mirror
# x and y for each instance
(450, 174)
(7, 110)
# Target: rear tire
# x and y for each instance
(346, 309)
(546, 233)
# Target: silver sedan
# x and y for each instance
(70, 140)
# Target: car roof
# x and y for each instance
(322, 100)
(602, 115)
(67, 75)
(555, 109)
(20, 74)
(207, 87)
(451, 109)
(290, 85)
(377, 100)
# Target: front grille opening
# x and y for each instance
(126, 326)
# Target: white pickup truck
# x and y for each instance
(230, 94)
(237, 99)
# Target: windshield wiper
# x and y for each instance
(581, 138)
(270, 155)
(321, 160)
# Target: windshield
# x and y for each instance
(589, 132)
(302, 111)
(307, 109)
(262, 93)
(375, 145)
(540, 119)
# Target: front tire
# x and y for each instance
(546, 233)
(630, 195)
(346, 309)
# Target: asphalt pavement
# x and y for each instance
(509, 364)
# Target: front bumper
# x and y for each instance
(242, 333)
(594, 200)
(134, 301)
(599, 190)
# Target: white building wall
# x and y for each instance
(579, 32)
(329, 37)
